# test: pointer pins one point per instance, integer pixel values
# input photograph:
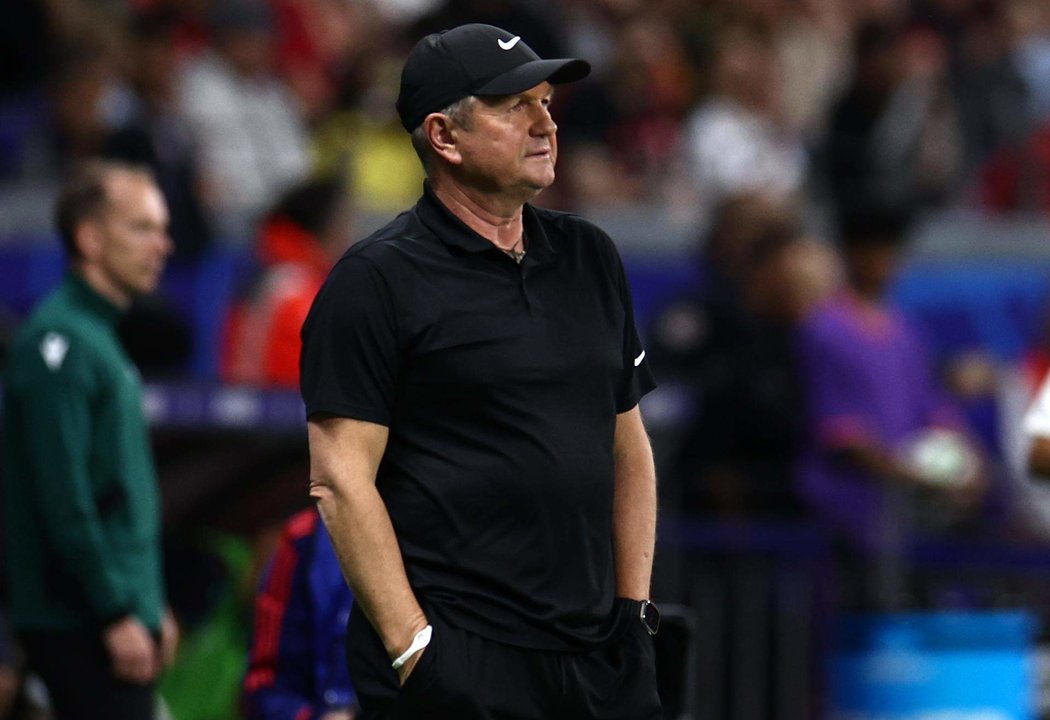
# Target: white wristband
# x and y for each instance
(420, 641)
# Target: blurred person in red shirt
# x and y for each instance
(302, 236)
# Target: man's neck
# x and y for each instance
(100, 282)
(496, 220)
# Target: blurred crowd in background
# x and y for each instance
(897, 104)
(796, 141)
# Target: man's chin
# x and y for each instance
(147, 286)
(542, 183)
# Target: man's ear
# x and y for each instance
(442, 136)
(88, 238)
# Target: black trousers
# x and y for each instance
(76, 669)
(462, 676)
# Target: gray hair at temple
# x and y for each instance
(459, 112)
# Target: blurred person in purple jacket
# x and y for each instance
(297, 664)
(880, 434)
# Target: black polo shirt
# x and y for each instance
(500, 384)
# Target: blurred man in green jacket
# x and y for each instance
(81, 503)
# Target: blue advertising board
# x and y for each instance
(935, 666)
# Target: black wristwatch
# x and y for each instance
(650, 616)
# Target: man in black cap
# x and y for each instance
(472, 375)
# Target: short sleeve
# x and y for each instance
(636, 378)
(350, 353)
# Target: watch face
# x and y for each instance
(650, 617)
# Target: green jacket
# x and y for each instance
(80, 491)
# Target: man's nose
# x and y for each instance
(545, 124)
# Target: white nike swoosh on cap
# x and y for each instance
(638, 360)
(507, 45)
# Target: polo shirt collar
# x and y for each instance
(88, 298)
(454, 232)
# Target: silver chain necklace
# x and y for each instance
(514, 254)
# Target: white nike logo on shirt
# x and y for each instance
(509, 43)
(638, 360)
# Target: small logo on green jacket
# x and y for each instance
(53, 349)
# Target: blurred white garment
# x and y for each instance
(816, 66)
(405, 11)
(734, 150)
(1023, 418)
(1037, 419)
(1033, 62)
(251, 140)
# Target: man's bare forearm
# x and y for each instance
(634, 507)
(344, 457)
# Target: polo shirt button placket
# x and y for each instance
(529, 304)
(522, 273)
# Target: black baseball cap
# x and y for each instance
(474, 59)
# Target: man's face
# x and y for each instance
(511, 143)
(133, 243)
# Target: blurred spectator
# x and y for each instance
(893, 143)
(1017, 175)
(81, 84)
(316, 40)
(813, 45)
(303, 236)
(620, 132)
(1030, 20)
(871, 394)
(362, 138)
(732, 347)
(155, 134)
(297, 664)
(992, 98)
(680, 332)
(155, 337)
(191, 32)
(212, 585)
(588, 27)
(252, 142)
(738, 140)
(405, 12)
(1017, 178)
